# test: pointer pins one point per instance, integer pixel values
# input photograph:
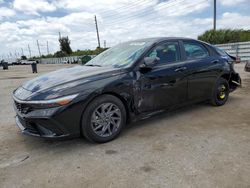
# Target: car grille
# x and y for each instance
(23, 108)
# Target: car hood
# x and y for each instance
(69, 75)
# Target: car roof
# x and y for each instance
(160, 39)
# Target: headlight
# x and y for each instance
(50, 103)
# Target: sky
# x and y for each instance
(23, 22)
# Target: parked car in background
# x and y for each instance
(23, 62)
(10, 62)
(128, 82)
(65, 62)
(27, 62)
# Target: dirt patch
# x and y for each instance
(111, 152)
(147, 168)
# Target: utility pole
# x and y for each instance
(29, 50)
(97, 32)
(15, 54)
(22, 51)
(104, 43)
(214, 14)
(48, 47)
(38, 47)
(59, 35)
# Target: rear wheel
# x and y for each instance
(103, 119)
(220, 92)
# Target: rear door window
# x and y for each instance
(195, 50)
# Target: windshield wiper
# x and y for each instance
(93, 65)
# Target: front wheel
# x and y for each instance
(103, 119)
(220, 92)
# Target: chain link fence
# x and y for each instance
(63, 60)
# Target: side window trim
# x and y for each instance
(182, 50)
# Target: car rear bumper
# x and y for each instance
(235, 81)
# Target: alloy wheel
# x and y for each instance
(106, 119)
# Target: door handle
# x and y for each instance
(180, 69)
(215, 61)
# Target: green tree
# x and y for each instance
(225, 36)
(88, 52)
(23, 57)
(65, 45)
(60, 54)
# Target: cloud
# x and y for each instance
(234, 20)
(233, 2)
(118, 20)
(17, 35)
(105, 6)
(6, 12)
(33, 7)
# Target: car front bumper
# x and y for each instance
(38, 130)
(56, 123)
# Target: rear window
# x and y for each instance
(220, 51)
(224, 54)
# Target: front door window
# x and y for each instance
(167, 53)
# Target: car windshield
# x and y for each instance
(121, 55)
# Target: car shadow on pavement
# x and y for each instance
(166, 115)
(179, 113)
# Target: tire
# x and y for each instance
(97, 118)
(220, 92)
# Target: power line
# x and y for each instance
(124, 8)
(184, 8)
(145, 13)
(150, 13)
(160, 6)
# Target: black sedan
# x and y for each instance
(128, 82)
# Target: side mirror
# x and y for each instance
(149, 63)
